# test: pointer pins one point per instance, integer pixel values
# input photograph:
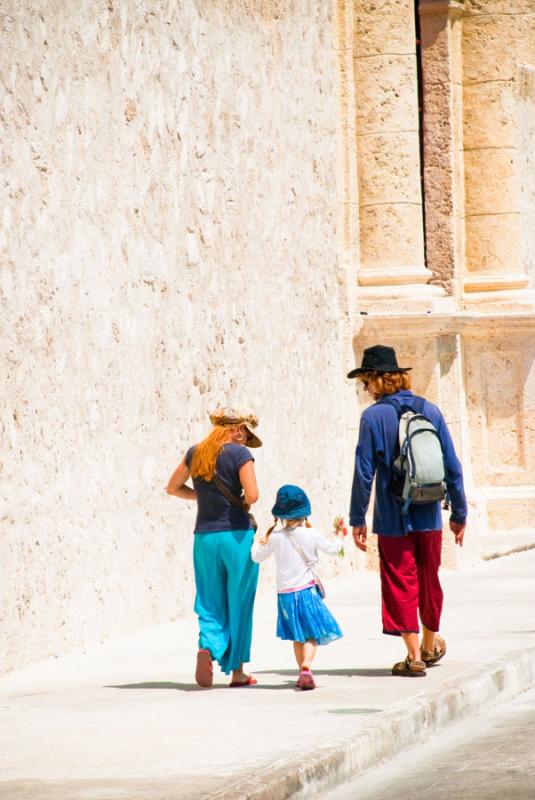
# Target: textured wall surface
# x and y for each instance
(386, 90)
(498, 38)
(527, 165)
(168, 241)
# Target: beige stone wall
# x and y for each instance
(498, 39)
(390, 198)
(169, 241)
(474, 347)
(527, 165)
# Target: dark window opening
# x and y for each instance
(419, 78)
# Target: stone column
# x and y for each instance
(440, 34)
(497, 38)
(392, 263)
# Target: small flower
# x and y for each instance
(339, 526)
(340, 530)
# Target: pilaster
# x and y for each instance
(495, 46)
(391, 242)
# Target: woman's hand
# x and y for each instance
(177, 481)
(248, 482)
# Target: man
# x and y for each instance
(410, 543)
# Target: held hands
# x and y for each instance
(360, 533)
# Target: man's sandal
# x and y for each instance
(409, 669)
(431, 658)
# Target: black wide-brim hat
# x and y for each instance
(378, 358)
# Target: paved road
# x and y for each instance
(489, 757)
(125, 720)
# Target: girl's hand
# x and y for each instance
(340, 530)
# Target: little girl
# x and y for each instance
(303, 617)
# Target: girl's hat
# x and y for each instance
(291, 503)
(230, 417)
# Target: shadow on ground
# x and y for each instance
(192, 687)
(348, 673)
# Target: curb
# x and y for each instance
(521, 548)
(345, 756)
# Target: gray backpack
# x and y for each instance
(418, 472)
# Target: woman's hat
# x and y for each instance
(291, 503)
(230, 417)
(378, 358)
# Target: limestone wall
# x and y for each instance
(169, 240)
(498, 42)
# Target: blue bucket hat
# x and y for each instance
(291, 503)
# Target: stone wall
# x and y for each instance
(475, 344)
(169, 241)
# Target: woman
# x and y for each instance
(222, 470)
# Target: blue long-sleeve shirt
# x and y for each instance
(376, 450)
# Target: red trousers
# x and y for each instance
(409, 581)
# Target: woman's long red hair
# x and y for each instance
(206, 453)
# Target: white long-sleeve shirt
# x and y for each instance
(293, 574)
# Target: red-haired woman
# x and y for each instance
(222, 468)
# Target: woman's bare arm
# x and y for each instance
(177, 483)
(248, 482)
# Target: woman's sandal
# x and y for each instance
(431, 658)
(409, 669)
(204, 673)
(250, 681)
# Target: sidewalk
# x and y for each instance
(125, 720)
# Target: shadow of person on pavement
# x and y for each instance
(371, 672)
(193, 687)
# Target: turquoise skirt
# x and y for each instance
(225, 579)
(303, 615)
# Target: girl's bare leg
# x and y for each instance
(298, 652)
(309, 651)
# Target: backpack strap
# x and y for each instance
(417, 405)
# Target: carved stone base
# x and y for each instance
(480, 369)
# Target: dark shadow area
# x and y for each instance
(192, 687)
(349, 673)
(180, 687)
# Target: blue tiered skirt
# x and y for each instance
(303, 615)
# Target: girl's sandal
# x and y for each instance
(431, 658)
(305, 680)
(409, 669)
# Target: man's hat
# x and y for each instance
(291, 503)
(378, 358)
